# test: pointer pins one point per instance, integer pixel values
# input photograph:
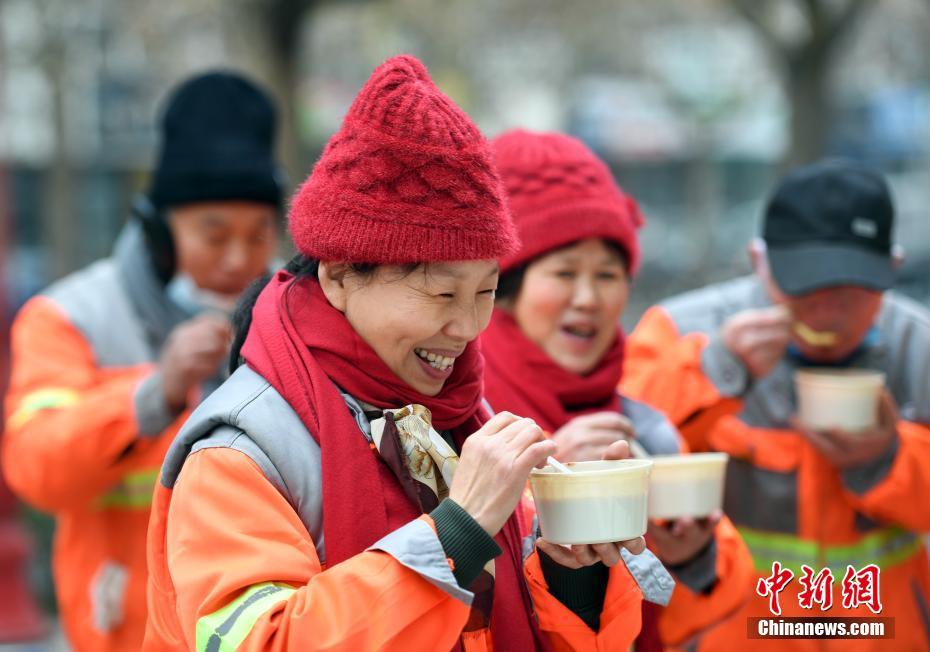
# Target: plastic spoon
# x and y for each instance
(557, 465)
(637, 450)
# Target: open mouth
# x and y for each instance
(434, 360)
(581, 331)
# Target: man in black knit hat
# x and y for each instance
(108, 361)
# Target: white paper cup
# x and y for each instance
(686, 485)
(599, 502)
(842, 399)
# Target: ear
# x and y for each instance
(332, 277)
(898, 255)
(757, 257)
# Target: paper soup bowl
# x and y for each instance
(686, 485)
(599, 502)
(842, 399)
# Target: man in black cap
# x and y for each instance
(108, 362)
(721, 362)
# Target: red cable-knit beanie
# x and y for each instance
(559, 192)
(407, 179)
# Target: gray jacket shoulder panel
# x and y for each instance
(704, 310)
(96, 303)
(235, 439)
(247, 414)
(240, 389)
(261, 425)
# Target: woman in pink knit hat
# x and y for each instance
(347, 488)
(554, 352)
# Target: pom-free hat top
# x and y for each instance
(408, 178)
(559, 192)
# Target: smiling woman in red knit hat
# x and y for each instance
(346, 488)
(554, 353)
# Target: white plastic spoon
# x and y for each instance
(557, 465)
(637, 450)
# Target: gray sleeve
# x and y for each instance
(904, 328)
(152, 413)
(728, 374)
(653, 429)
(416, 546)
(653, 579)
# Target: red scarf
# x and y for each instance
(306, 348)
(521, 378)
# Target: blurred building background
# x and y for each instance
(698, 106)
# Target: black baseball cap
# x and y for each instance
(829, 224)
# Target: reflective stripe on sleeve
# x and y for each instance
(49, 398)
(134, 491)
(225, 629)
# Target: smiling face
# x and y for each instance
(570, 303)
(417, 322)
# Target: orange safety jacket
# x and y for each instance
(788, 502)
(86, 433)
(237, 553)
